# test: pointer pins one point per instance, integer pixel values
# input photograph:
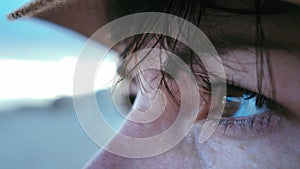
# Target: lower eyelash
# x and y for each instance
(250, 126)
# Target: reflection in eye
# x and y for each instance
(243, 116)
(243, 105)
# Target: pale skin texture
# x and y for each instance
(278, 148)
(274, 147)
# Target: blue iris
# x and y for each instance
(247, 106)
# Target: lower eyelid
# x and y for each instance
(251, 126)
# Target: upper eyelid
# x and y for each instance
(272, 101)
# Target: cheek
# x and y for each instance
(280, 149)
(183, 155)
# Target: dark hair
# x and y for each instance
(204, 14)
(201, 13)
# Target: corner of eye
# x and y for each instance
(202, 114)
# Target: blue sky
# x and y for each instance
(34, 39)
(37, 58)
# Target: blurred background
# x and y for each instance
(38, 125)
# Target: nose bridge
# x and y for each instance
(183, 155)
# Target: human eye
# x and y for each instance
(248, 114)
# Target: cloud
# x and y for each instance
(46, 79)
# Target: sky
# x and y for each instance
(32, 39)
(37, 58)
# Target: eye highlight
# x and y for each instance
(244, 105)
(244, 118)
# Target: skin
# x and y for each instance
(277, 147)
(271, 146)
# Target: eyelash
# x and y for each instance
(252, 125)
